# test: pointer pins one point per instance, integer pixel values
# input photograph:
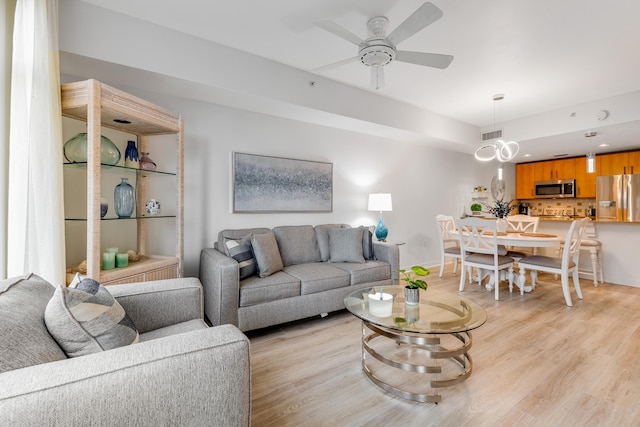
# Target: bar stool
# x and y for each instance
(594, 246)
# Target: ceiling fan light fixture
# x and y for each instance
(380, 49)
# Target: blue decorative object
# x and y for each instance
(381, 230)
(104, 207)
(131, 155)
(124, 199)
(380, 202)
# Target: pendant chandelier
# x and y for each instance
(498, 149)
(591, 156)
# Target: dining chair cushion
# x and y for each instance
(590, 242)
(545, 261)
(453, 250)
(517, 254)
(488, 259)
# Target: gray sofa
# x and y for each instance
(180, 373)
(319, 266)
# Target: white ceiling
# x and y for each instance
(543, 55)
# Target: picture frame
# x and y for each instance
(278, 184)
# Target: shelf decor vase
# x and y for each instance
(146, 162)
(104, 207)
(75, 150)
(124, 199)
(131, 156)
(411, 295)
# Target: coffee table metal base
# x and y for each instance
(429, 345)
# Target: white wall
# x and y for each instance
(424, 182)
(378, 145)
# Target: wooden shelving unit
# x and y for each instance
(100, 106)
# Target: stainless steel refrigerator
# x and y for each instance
(618, 198)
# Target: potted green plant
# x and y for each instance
(411, 289)
(476, 208)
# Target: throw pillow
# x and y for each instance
(297, 244)
(84, 318)
(241, 251)
(345, 245)
(367, 243)
(265, 249)
(322, 236)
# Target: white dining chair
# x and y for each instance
(449, 243)
(479, 246)
(522, 224)
(594, 246)
(567, 263)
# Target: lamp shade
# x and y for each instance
(380, 202)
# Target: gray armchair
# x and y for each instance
(181, 373)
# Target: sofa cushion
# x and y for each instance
(241, 251)
(236, 234)
(298, 244)
(322, 235)
(84, 318)
(178, 328)
(257, 290)
(24, 339)
(370, 271)
(345, 245)
(265, 249)
(318, 277)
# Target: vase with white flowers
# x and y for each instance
(501, 209)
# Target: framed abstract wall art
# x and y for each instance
(277, 184)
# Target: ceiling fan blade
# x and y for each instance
(434, 60)
(336, 29)
(377, 77)
(425, 15)
(333, 65)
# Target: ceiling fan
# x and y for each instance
(379, 49)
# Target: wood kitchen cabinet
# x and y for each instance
(585, 182)
(525, 180)
(618, 163)
(555, 169)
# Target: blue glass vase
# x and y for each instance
(124, 199)
(131, 156)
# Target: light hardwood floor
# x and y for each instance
(537, 362)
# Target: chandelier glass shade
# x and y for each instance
(499, 150)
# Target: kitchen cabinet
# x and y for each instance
(619, 163)
(525, 180)
(101, 106)
(555, 169)
(585, 182)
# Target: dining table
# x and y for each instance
(521, 239)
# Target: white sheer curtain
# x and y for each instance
(36, 209)
(7, 11)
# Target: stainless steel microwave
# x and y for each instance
(555, 189)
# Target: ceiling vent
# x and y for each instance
(494, 134)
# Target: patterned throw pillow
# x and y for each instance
(241, 251)
(84, 318)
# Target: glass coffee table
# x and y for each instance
(402, 343)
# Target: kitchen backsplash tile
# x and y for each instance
(579, 206)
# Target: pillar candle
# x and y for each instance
(122, 260)
(108, 260)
